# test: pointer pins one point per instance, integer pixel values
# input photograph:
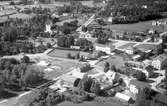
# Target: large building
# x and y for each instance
(160, 62)
(105, 48)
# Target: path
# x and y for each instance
(90, 20)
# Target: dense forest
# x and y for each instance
(129, 11)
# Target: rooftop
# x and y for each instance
(161, 98)
(145, 47)
(161, 57)
(139, 84)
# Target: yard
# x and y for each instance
(136, 27)
(116, 60)
(60, 67)
(62, 53)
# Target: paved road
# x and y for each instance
(90, 20)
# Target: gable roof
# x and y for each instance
(161, 57)
(161, 98)
(139, 84)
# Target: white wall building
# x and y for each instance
(104, 49)
(129, 50)
(160, 61)
(48, 26)
(85, 35)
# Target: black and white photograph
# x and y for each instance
(83, 52)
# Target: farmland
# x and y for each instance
(136, 27)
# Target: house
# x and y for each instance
(124, 97)
(147, 62)
(160, 62)
(118, 34)
(151, 31)
(75, 47)
(48, 26)
(110, 19)
(105, 48)
(129, 50)
(136, 57)
(136, 85)
(85, 35)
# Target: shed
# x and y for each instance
(123, 97)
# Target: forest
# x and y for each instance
(130, 11)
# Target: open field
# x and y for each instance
(116, 60)
(59, 67)
(62, 53)
(136, 27)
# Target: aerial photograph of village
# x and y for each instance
(83, 52)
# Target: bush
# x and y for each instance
(140, 76)
(85, 68)
(25, 59)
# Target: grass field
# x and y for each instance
(62, 68)
(62, 53)
(136, 27)
(114, 60)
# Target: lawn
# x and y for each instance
(145, 47)
(62, 53)
(136, 27)
(116, 60)
(59, 67)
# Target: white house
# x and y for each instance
(123, 97)
(129, 50)
(48, 26)
(105, 48)
(151, 31)
(136, 85)
(85, 35)
(110, 19)
(160, 61)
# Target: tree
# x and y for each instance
(64, 41)
(1, 85)
(144, 97)
(95, 87)
(69, 55)
(25, 59)
(84, 29)
(85, 68)
(113, 68)
(32, 76)
(101, 36)
(85, 83)
(49, 45)
(106, 67)
(140, 76)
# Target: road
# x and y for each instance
(90, 20)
